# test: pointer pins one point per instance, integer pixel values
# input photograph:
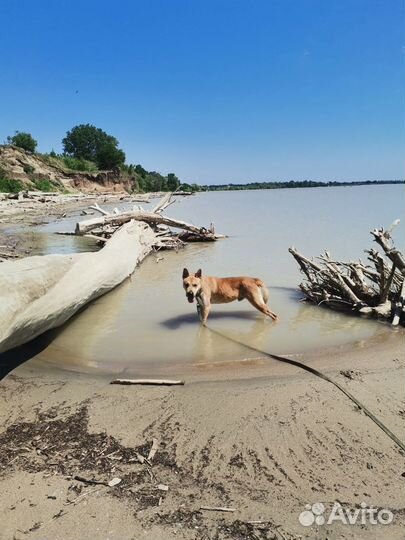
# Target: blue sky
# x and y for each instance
(214, 90)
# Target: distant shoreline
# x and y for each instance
(294, 184)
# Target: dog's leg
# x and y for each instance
(199, 308)
(257, 301)
(203, 308)
(265, 293)
(205, 311)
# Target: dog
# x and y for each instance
(207, 290)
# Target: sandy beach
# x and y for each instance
(265, 442)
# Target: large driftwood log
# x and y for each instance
(376, 291)
(42, 292)
(152, 218)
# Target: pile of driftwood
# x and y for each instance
(43, 292)
(374, 290)
(102, 228)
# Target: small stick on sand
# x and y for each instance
(90, 481)
(75, 501)
(218, 508)
(153, 450)
(160, 382)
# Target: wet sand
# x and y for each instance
(266, 445)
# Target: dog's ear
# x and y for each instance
(185, 273)
(198, 273)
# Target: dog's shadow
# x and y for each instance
(191, 319)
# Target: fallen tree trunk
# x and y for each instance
(43, 292)
(356, 287)
(154, 218)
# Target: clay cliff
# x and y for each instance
(30, 169)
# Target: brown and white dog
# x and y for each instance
(207, 290)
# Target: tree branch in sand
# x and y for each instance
(152, 382)
(43, 292)
(374, 291)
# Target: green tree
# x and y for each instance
(109, 156)
(141, 171)
(93, 144)
(23, 140)
(172, 182)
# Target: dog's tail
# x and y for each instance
(264, 290)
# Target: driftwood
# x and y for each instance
(105, 225)
(375, 290)
(43, 292)
(152, 218)
(90, 481)
(218, 508)
(158, 382)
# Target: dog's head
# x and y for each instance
(192, 284)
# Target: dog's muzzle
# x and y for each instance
(190, 297)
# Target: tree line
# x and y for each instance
(88, 148)
(292, 184)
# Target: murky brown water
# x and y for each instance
(146, 326)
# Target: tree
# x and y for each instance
(172, 182)
(140, 170)
(91, 143)
(109, 156)
(23, 140)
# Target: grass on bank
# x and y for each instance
(68, 163)
(7, 185)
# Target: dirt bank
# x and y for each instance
(265, 444)
(29, 169)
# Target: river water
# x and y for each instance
(146, 326)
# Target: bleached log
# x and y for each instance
(43, 292)
(87, 225)
(99, 209)
(383, 238)
(163, 203)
